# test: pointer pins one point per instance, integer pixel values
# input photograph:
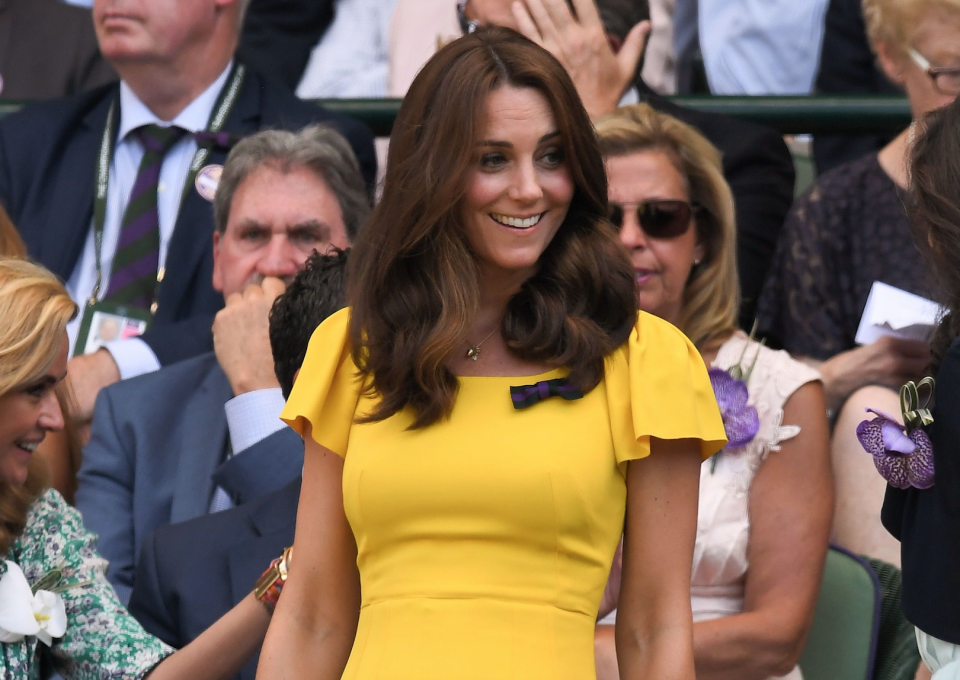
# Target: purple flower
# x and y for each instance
(903, 458)
(740, 419)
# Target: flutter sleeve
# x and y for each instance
(328, 387)
(657, 386)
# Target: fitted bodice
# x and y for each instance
(485, 539)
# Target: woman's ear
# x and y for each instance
(891, 61)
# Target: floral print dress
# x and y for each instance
(102, 641)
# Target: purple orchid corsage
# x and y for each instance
(902, 454)
(741, 422)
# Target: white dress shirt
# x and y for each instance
(351, 59)
(133, 356)
(757, 47)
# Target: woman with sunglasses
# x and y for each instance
(848, 231)
(766, 499)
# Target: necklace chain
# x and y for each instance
(473, 353)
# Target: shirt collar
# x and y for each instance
(194, 118)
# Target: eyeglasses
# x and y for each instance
(658, 218)
(467, 26)
(945, 78)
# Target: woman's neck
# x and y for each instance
(893, 157)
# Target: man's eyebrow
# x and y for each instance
(508, 145)
(322, 227)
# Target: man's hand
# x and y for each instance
(889, 361)
(581, 44)
(86, 376)
(241, 337)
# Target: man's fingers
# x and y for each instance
(546, 27)
(528, 28)
(234, 299)
(587, 14)
(273, 287)
(629, 55)
(560, 14)
(254, 290)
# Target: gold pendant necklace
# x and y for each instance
(473, 353)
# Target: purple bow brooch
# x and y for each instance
(741, 422)
(902, 454)
(524, 396)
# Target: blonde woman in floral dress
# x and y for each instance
(766, 499)
(58, 613)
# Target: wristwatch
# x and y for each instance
(268, 588)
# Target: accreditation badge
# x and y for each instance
(105, 321)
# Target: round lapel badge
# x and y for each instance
(207, 180)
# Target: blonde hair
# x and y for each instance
(893, 21)
(10, 242)
(711, 297)
(35, 310)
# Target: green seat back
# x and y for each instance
(842, 642)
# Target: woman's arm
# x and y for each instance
(791, 508)
(222, 649)
(653, 633)
(316, 619)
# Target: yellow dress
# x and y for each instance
(485, 540)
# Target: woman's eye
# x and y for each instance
(492, 160)
(552, 157)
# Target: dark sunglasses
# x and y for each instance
(658, 218)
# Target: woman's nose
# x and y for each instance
(631, 233)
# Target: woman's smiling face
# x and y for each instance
(520, 190)
(26, 415)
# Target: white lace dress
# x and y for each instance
(723, 520)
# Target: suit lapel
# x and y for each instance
(203, 442)
(71, 200)
(192, 238)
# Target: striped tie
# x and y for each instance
(133, 277)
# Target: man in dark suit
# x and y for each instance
(204, 434)
(59, 161)
(173, 599)
(601, 48)
(279, 35)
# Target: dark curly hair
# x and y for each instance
(414, 283)
(315, 293)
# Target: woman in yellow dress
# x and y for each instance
(491, 409)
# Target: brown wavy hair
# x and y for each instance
(35, 309)
(414, 282)
(933, 207)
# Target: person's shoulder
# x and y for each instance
(49, 115)
(773, 372)
(50, 514)
(654, 340)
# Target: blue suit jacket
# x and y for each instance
(191, 574)
(48, 156)
(156, 455)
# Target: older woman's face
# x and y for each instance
(520, 189)
(661, 265)
(26, 415)
(936, 39)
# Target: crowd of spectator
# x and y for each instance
(184, 210)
